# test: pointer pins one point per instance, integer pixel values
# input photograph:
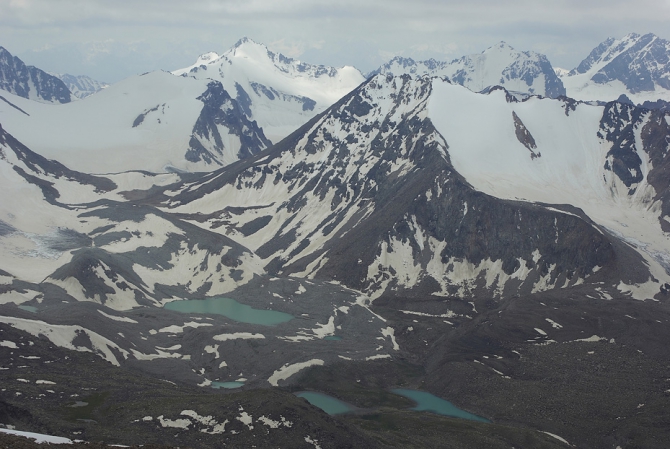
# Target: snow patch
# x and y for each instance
(287, 370)
(238, 336)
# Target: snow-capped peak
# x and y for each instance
(519, 71)
(635, 65)
(279, 92)
(248, 48)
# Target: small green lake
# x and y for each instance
(326, 403)
(227, 385)
(31, 309)
(230, 308)
(431, 403)
(333, 338)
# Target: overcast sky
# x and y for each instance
(110, 40)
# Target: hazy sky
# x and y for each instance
(110, 40)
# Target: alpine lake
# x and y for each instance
(425, 402)
(230, 308)
(234, 310)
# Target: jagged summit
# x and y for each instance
(278, 92)
(518, 71)
(636, 65)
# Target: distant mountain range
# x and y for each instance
(500, 65)
(81, 86)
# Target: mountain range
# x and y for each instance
(500, 65)
(460, 228)
(637, 65)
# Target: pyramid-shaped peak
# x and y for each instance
(503, 45)
(245, 40)
(250, 49)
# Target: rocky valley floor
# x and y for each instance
(564, 364)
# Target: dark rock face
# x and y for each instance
(524, 136)
(635, 131)
(243, 99)
(30, 82)
(618, 126)
(660, 105)
(221, 113)
(528, 72)
(140, 118)
(640, 62)
(655, 135)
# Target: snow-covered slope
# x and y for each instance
(78, 232)
(148, 122)
(38, 231)
(501, 65)
(30, 82)
(76, 251)
(367, 195)
(278, 92)
(638, 66)
(599, 159)
(81, 86)
(223, 109)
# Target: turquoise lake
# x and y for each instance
(326, 403)
(32, 309)
(227, 385)
(431, 403)
(230, 308)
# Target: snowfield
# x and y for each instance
(569, 170)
